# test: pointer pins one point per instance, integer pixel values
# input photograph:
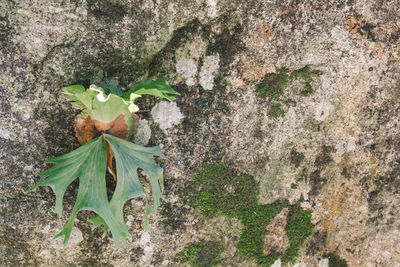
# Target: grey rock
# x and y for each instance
(347, 131)
(143, 134)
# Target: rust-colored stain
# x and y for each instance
(353, 25)
(89, 129)
(265, 32)
(357, 25)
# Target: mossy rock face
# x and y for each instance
(220, 191)
(217, 190)
(202, 254)
(273, 86)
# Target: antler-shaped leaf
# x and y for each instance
(88, 162)
(129, 158)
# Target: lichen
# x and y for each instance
(220, 191)
(202, 254)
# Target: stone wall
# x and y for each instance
(333, 150)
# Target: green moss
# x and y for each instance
(273, 84)
(387, 180)
(335, 261)
(202, 254)
(307, 90)
(298, 228)
(276, 111)
(305, 73)
(219, 191)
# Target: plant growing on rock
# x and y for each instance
(104, 126)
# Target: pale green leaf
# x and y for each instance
(110, 109)
(73, 89)
(86, 98)
(88, 163)
(129, 158)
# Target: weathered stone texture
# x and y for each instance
(336, 152)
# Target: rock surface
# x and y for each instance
(335, 152)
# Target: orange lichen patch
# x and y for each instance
(339, 210)
(318, 7)
(265, 32)
(344, 201)
(142, 3)
(252, 69)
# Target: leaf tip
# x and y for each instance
(31, 189)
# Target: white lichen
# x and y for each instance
(187, 69)
(211, 64)
(147, 248)
(212, 8)
(323, 263)
(166, 114)
(6, 134)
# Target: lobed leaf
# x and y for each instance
(129, 157)
(157, 88)
(88, 163)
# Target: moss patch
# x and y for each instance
(220, 191)
(276, 111)
(202, 254)
(273, 85)
(335, 261)
(307, 75)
